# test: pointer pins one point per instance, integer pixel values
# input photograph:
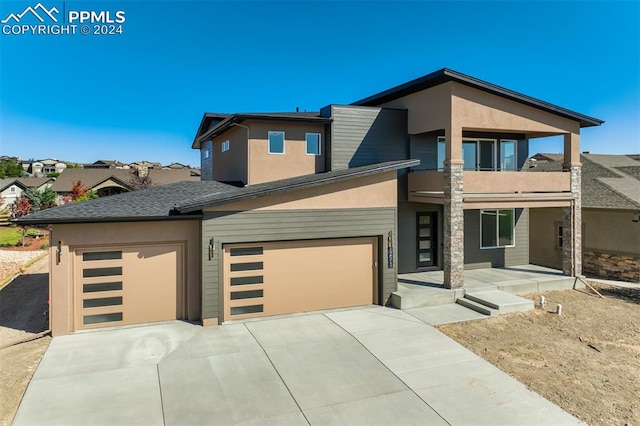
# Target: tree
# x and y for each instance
(21, 207)
(140, 179)
(32, 195)
(10, 168)
(80, 193)
(48, 198)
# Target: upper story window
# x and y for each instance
(497, 228)
(484, 155)
(276, 142)
(13, 189)
(313, 143)
(508, 156)
(225, 146)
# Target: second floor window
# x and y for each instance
(313, 143)
(225, 146)
(276, 142)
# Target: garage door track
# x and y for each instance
(369, 365)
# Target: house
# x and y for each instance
(610, 217)
(303, 211)
(114, 181)
(106, 164)
(44, 167)
(11, 189)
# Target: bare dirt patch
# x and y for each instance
(22, 304)
(586, 360)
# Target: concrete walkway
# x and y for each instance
(370, 365)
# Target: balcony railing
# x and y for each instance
(427, 186)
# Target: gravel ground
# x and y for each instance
(11, 261)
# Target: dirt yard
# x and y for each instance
(586, 360)
(22, 304)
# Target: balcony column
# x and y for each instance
(453, 212)
(572, 216)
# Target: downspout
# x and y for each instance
(248, 150)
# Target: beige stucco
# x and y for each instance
(378, 190)
(231, 165)
(153, 237)
(484, 190)
(455, 107)
(304, 276)
(604, 230)
(109, 183)
(265, 167)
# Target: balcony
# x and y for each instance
(496, 189)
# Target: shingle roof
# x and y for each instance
(148, 204)
(284, 185)
(179, 200)
(608, 181)
(93, 177)
(34, 182)
(5, 183)
(445, 75)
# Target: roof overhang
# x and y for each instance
(445, 75)
(291, 184)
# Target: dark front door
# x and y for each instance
(427, 256)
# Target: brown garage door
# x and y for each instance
(127, 285)
(297, 276)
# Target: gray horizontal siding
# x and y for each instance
(283, 225)
(206, 164)
(475, 257)
(363, 136)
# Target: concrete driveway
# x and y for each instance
(364, 366)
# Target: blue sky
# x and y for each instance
(140, 95)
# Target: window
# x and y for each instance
(559, 238)
(497, 228)
(206, 153)
(313, 143)
(508, 156)
(225, 146)
(276, 142)
(13, 189)
(476, 154)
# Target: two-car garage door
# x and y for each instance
(127, 285)
(297, 276)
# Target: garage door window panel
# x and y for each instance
(246, 251)
(248, 294)
(236, 281)
(243, 310)
(102, 318)
(101, 255)
(97, 287)
(249, 266)
(102, 272)
(102, 301)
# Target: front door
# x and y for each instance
(427, 239)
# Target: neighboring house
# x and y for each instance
(146, 165)
(306, 211)
(610, 217)
(114, 181)
(11, 189)
(106, 164)
(43, 168)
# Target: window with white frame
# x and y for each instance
(276, 142)
(225, 146)
(206, 153)
(313, 143)
(13, 189)
(497, 228)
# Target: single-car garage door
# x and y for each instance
(127, 285)
(297, 276)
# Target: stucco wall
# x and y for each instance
(75, 236)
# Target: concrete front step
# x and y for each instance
(478, 307)
(499, 300)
